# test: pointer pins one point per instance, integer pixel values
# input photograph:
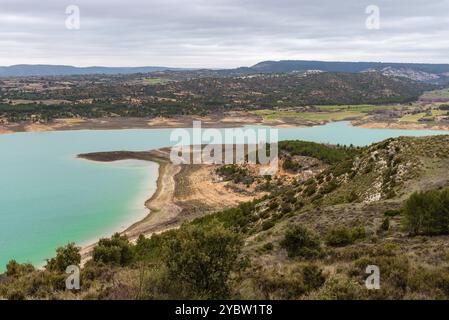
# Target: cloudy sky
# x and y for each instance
(221, 33)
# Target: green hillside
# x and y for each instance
(308, 239)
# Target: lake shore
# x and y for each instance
(183, 193)
(397, 125)
(232, 120)
(116, 123)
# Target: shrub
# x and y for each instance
(313, 277)
(149, 249)
(267, 225)
(290, 165)
(199, 260)
(65, 256)
(299, 241)
(338, 289)
(385, 226)
(237, 219)
(341, 236)
(352, 197)
(279, 283)
(115, 251)
(288, 282)
(268, 246)
(395, 270)
(16, 294)
(329, 187)
(286, 208)
(310, 189)
(427, 213)
(14, 269)
(433, 282)
(236, 174)
(392, 213)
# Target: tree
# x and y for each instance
(65, 256)
(199, 260)
(427, 213)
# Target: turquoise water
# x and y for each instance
(48, 197)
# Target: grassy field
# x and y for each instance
(311, 116)
(412, 117)
(155, 81)
(359, 107)
(437, 94)
(438, 112)
(325, 113)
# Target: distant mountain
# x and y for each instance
(423, 72)
(332, 66)
(415, 71)
(53, 70)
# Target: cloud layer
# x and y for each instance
(221, 33)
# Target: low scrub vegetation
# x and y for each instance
(300, 242)
(341, 236)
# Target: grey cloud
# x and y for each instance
(219, 33)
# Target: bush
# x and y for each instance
(150, 249)
(433, 282)
(267, 225)
(14, 269)
(290, 165)
(16, 294)
(268, 247)
(341, 236)
(329, 187)
(352, 197)
(338, 289)
(385, 226)
(310, 189)
(199, 260)
(395, 271)
(313, 277)
(288, 282)
(392, 213)
(299, 241)
(279, 283)
(65, 256)
(235, 174)
(427, 213)
(115, 251)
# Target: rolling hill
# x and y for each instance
(61, 70)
